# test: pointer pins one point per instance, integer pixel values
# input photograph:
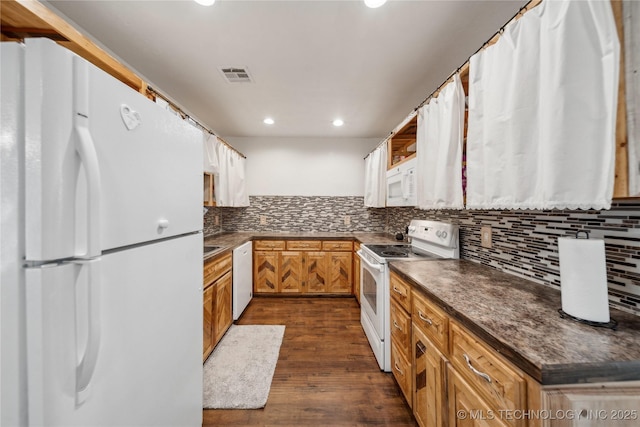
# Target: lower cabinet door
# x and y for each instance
(207, 322)
(341, 280)
(317, 274)
(428, 381)
(265, 271)
(401, 369)
(291, 272)
(222, 306)
(466, 407)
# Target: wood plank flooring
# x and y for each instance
(326, 373)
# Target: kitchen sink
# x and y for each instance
(210, 248)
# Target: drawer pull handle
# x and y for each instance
(398, 369)
(397, 291)
(396, 325)
(425, 319)
(475, 371)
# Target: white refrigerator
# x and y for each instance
(101, 249)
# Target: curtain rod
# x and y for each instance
(492, 40)
(527, 7)
(188, 117)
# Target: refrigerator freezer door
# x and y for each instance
(147, 307)
(148, 169)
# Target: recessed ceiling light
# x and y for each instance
(268, 121)
(207, 2)
(338, 122)
(374, 3)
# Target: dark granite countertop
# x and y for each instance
(520, 320)
(231, 240)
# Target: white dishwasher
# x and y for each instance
(242, 278)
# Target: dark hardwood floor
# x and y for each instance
(326, 373)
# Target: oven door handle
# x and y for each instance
(378, 267)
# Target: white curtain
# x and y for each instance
(228, 168)
(230, 188)
(542, 111)
(632, 52)
(375, 178)
(439, 149)
(210, 155)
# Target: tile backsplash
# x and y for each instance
(304, 213)
(524, 242)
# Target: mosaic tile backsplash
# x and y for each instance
(524, 243)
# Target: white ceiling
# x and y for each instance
(311, 61)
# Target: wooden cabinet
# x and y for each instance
(402, 144)
(209, 198)
(303, 267)
(466, 407)
(401, 368)
(615, 404)
(216, 301)
(459, 379)
(340, 272)
(316, 275)
(400, 318)
(501, 385)
(222, 307)
(401, 328)
(433, 321)
(456, 380)
(291, 272)
(207, 322)
(428, 381)
(266, 265)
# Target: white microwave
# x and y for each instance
(401, 184)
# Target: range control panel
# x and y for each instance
(439, 233)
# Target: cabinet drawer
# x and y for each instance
(215, 268)
(401, 369)
(304, 245)
(337, 245)
(401, 292)
(431, 320)
(500, 384)
(268, 245)
(401, 329)
(463, 399)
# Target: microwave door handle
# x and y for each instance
(404, 185)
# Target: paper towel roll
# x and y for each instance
(583, 278)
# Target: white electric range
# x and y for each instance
(430, 240)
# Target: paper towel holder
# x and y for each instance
(586, 233)
(611, 324)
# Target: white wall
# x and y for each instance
(305, 166)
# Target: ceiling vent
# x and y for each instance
(236, 74)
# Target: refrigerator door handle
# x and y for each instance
(87, 152)
(86, 366)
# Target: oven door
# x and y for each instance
(373, 291)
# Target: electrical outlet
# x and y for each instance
(263, 220)
(347, 220)
(485, 236)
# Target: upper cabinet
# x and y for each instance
(402, 145)
(209, 198)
